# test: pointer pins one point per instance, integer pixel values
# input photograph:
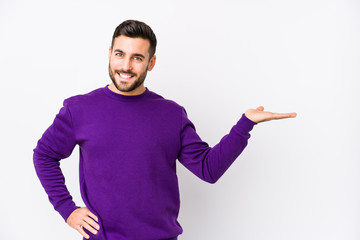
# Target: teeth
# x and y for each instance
(124, 75)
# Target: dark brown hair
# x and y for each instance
(136, 29)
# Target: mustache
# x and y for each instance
(126, 72)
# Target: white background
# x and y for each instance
(297, 179)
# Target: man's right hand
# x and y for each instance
(82, 218)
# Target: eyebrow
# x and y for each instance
(135, 54)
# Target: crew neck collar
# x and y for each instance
(121, 97)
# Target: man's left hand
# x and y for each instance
(258, 115)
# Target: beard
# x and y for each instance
(125, 87)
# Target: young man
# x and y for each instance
(129, 139)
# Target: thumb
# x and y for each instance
(261, 108)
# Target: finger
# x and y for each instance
(92, 223)
(282, 115)
(89, 228)
(82, 232)
(261, 108)
(93, 216)
(289, 115)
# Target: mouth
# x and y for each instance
(125, 76)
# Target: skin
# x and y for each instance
(83, 218)
(258, 115)
(129, 62)
(129, 57)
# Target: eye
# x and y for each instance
(119, 54)
(138, 58)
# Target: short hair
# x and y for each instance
(136, 29)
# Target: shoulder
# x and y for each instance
(166, 106)
(160, 99)
(81, 99)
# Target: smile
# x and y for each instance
(125, 75)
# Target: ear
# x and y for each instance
(110, 50)
(152, 63)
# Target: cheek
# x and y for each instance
(114, 63)
(140, 68)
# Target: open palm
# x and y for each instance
(259, 115)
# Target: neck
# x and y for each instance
(139, 90)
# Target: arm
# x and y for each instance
(57, 143)
(210, 164)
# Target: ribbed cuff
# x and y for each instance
(66, 209)
(244, 125)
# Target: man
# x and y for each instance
(129, 139)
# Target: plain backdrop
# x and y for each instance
(297, 179)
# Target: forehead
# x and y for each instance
(131, 45)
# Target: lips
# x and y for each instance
(125, 76)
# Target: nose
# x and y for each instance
(127, 66)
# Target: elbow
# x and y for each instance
(210, 175)
(211, 179)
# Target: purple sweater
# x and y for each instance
(128, 151)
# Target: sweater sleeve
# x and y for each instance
(210, 163)
(57, 143)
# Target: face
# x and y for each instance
(129, 61)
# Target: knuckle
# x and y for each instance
(78, 227)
